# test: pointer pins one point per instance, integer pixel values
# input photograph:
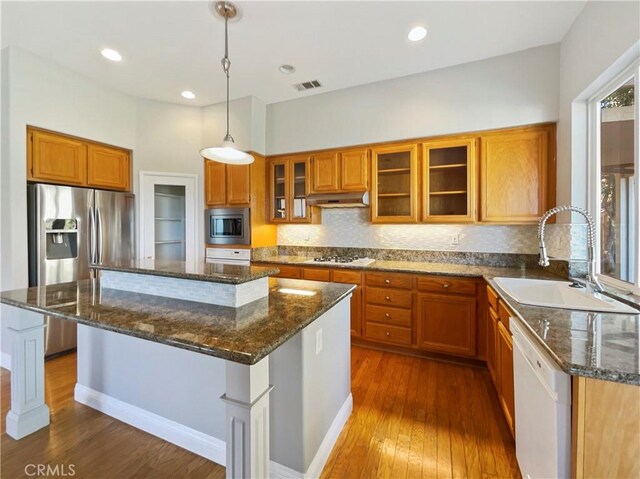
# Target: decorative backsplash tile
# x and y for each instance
(351, 228)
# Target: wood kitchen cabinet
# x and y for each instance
(289, 186)
(517, 174)
(394, 187)
(66, 160)
(325, 173)
(449, 180)
(108, 168)
(447, 323)
(388, 302)
(506, 393)
(227, 185)
(339, 171)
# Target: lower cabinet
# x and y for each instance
(500, 354)
(506, 383)
(447, 323)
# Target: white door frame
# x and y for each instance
(148, 179)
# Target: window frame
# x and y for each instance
(594, 170)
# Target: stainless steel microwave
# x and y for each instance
(228, 225)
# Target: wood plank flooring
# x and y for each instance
(412, 418)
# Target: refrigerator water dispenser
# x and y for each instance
(62, 238)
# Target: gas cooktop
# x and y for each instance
(351, 260)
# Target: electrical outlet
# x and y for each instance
(318, 341)
(454, 239)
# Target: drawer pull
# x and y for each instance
(387, 315)
(387, 298)
(388, 333)
(387, 281)
(446, 285)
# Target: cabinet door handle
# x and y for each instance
(388, 298)
(387, 281)
(445, 285)
(388, 333)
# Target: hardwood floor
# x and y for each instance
(415, 417)
(412, 418)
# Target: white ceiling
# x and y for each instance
(173, 46)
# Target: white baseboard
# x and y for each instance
(5, 361)
(202, 444)
(197, 442)
(279, 471)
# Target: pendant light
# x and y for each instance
(227, 152)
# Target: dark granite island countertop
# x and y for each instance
(243, 335)
(200, 271)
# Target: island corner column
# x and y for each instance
(28, 412)
(247, 407)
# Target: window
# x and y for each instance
(614, 130)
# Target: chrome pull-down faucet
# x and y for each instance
(591, 243)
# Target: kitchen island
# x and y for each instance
(162, 363)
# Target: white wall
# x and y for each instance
(602, 34)
(247, 120)
(42, 94)
(516, 89)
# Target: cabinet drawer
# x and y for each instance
(492, 297)
(440, 284)
(389, 297)
(350, 277)
(389, 280)
(395, 316)
(388, 334)
(292, 272)
(316, 274)
(504, 313)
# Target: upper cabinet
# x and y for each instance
(339, 171)
(517, 174)
(449, 181)
(289, 187)
(227, 185)
(394, 185)
(108, 168)
(62, 159)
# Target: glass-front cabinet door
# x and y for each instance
(394, 189)
(448, 181)
(299, 168)
(279, 189)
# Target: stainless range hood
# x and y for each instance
(351, 199)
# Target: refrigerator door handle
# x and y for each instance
(92, 236)
(99, 230)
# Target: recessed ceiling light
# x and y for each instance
(286, 69)
(417, 33)
(110, 54)
(189, 95)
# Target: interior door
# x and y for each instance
(114, 214)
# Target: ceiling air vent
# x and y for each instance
(308, 85)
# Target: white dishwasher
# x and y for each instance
(543, 409)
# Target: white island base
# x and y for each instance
(204, 404)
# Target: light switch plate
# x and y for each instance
(318, 341)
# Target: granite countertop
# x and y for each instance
(595, 345)
(200, 271)
(583, 343)
(243, 335)
(418, 267)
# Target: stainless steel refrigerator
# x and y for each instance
(69, 228)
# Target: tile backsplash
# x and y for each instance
(351, 228)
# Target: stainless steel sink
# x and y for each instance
(560, 294)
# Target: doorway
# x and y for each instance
(167, 227)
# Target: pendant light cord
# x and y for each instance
(226, 64)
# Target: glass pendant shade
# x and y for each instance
(227, 153)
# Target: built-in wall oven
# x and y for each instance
(228, 226)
